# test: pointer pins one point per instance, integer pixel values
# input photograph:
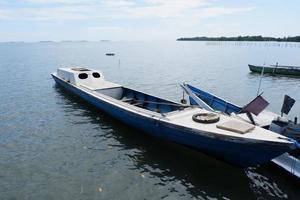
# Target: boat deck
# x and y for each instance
(184, 118)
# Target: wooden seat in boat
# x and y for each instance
(236, 126)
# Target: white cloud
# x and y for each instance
(46, 14)
(60, 1)
(118, 9)
(113, 19)
(5, 14)
(105, 28)
(217, 11)
(167, 8)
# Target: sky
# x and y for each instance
(57, 20)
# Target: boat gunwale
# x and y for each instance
(296, 68)
(219, 98)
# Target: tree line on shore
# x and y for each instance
(243, 38)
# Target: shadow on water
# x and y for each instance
(270, 179)
(202, 176)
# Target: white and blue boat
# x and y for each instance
(221, 136)
(214, 103)
(289, 161)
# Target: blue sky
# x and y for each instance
(35, 20)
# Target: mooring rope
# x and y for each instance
(161, 103)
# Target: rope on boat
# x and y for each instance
(161, 84)
(162, 103)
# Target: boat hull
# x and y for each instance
(274, 70)
(239, 152)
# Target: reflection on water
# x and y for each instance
(261, 184)
(55, 146)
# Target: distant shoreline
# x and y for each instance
(243, 38)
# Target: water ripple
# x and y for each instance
(55, 146)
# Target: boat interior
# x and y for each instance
(141, 100)
(214, 102)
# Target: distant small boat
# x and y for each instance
(276, 69)
(110, 54)
(218, 135)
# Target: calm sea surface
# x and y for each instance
(54, 146)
